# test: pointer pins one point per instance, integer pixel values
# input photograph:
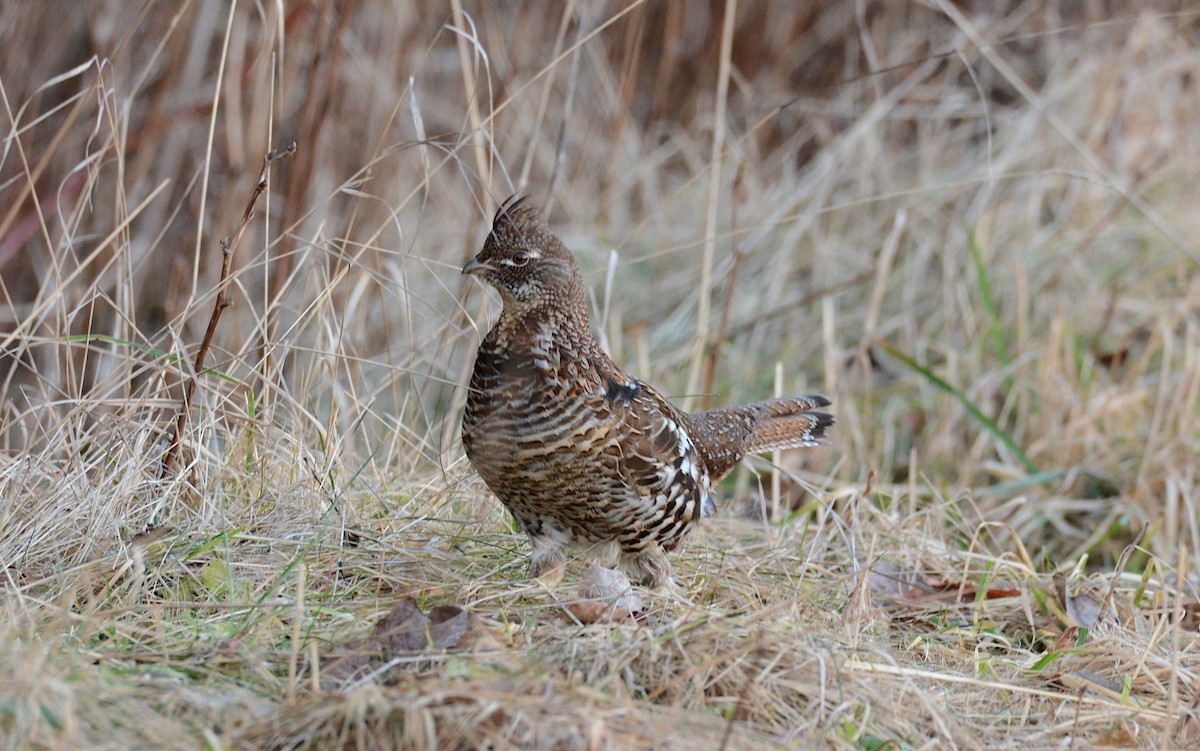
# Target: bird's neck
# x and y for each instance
(564, 311)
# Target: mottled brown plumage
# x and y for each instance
(583, 455)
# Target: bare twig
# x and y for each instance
(228, 248)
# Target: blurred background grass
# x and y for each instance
(970, 223)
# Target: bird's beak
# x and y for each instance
(476, 266)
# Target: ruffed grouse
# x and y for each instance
(582, 454)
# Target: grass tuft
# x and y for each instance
(999, 549)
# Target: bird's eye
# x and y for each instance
(520, 258)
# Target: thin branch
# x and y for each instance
(228, 248)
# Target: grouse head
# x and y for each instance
(524, 261)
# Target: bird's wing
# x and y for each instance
(656, 453)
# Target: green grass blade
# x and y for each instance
(995, 330)
(976, 414)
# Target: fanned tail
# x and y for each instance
(725, 435)
(790, 422)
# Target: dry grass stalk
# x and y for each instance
(228, 250)
(1002, 197)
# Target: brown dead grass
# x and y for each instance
(975, 230)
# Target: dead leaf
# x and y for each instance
(1187, 732)
(1191, 617)
(403, 631)
(1118, 737)
(1067, 638)
(1086, 680)
(890, 583)
(406, 629)
(1084, 609)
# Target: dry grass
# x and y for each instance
(974, 230)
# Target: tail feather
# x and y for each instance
(790, 405)
(727, 434)
(790, 431)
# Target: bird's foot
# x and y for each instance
(547, 568)
(648, 567)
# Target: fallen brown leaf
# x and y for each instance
(403, 631)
